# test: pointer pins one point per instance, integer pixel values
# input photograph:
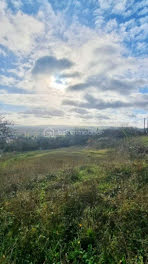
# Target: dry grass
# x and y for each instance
(17, 170)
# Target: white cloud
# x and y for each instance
(7, 81)
(19, 31)
(144, 11)
(16, 3)
(116, 7)
(2, 52)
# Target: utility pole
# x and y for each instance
(144, 124)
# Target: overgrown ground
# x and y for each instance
(74, 205)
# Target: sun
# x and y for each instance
(57, 82)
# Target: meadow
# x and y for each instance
(75, 205)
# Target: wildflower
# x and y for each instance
(80, 225)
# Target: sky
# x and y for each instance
(74, 62)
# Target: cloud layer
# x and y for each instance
(74, 63)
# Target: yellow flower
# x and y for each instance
(80, 225)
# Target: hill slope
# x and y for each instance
(74, 205)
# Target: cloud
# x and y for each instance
(50, 65)
(116, 16)
(116, 7)
(70, 75)
(122, 7)
(102, 117)
(96, 116)
(107, 50)
(144, 11)
(87, 61)
(121, 86)
(93, 103)
(96, 103)
(79, 111)
(2, 52)
(16, 3)
(19, 31)
(13, 90)
(44, 113)
(80, 86)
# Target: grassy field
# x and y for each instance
(20, 169)
(73, 205)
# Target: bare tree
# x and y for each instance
(5, 131)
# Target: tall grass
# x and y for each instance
(74, 206)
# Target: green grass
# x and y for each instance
(145, 140)
(73, 205)
(17, 170)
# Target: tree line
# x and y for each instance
(9, 142)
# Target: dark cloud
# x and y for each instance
(95, 116)
(93, 103)
(50, 64)
(70, 75)
(79, 87)
(92, 81)
(142, 101)
(96, 103)
(102, 117)
(70, 102)
(44, 113)
(122, 86)
(79, 111)
(87, 117)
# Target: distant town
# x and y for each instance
(54, 131)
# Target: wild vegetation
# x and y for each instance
(101, 139)
(5, 132)
(75, 205)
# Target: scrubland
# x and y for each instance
(75, 205)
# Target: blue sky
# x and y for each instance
(74, 62)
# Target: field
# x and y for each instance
(74, 205)
(20, 169)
